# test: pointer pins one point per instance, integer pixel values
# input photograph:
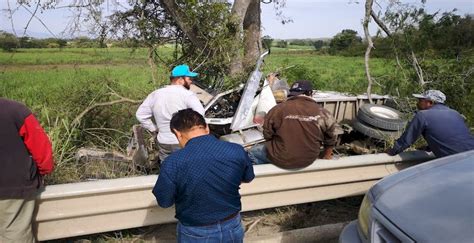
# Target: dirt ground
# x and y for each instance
(256, 223)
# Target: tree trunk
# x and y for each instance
(252, 42)
(370, 45)
(239, 10)
(151, 62)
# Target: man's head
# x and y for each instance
(181, 75)
(429, 98)
(301, 87)
(187, 124)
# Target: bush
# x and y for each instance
(8, 42)
(282, 44)
(267, 42)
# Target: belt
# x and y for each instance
(222, 220)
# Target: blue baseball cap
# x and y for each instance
(182, 71)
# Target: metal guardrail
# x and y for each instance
(83, 208)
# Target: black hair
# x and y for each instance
(186, 119)
(173, 78)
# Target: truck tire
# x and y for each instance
(374, 132)
(382, 117)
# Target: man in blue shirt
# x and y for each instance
(203, 180)
(443, 128)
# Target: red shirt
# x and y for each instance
(25, 151)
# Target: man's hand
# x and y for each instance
(327, 154)
(258, 120)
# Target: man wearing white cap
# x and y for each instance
(443, 128)
(162, 103)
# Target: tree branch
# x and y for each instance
(178, 15)
(418, 70)
(10, 12)
(32, 15)
(121, 99)
(380, 23)
(41, 21)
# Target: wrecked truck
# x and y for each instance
(231, 117)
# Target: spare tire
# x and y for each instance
(382, 117)
(374, 132)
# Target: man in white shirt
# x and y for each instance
(162, 103)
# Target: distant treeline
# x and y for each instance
(447, 36)
(10, 42)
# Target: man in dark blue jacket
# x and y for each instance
(203, 180)
(443, 128)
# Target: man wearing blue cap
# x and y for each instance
(443, 128)
(162, 103)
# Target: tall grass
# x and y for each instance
(344, 74)
(58, 95)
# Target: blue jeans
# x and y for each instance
(228, 231)
(258, 154)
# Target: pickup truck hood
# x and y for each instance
(434, 200)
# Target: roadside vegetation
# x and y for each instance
(60, 79)
(58, 88)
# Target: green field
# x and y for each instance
(39, 77)
(78, 56)
(59, 84)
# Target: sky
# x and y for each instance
(310, 18)
(326, 18)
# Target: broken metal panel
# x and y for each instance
(202, 95)
(245, 138)
(136, 148)
(90, 154)
(100, 164)
(245, 104)
(342, 106)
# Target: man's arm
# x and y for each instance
(329, 133)
(271, 123)
(248, 175)
(145, 113)
(411, 134)
(38, 144)
(164, 190)
(193, 102)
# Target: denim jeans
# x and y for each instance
(258, 154)
(228, 231)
